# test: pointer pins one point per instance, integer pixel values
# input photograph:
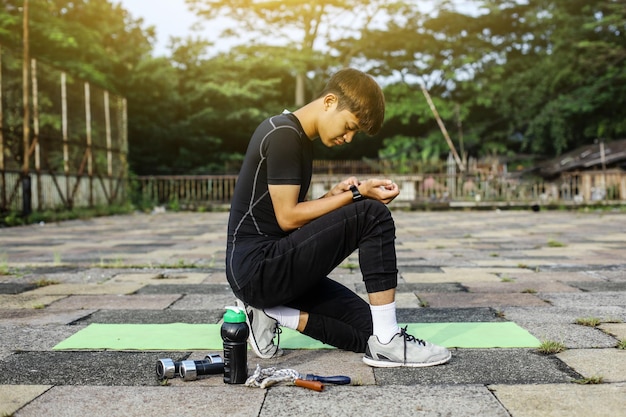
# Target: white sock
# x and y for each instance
(285, 316)
(384, 320)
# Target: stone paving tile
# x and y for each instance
(419, 269)
(83, 367)
(511, 264)
(447, 315)
(586, 299)
(66, 275)
(161, 278)
(573, 336)
(480, 300)
(14, 397)
(564, 315)
(41, 317)
(403, 300)
(27, 300)
(216, 277)
(203, 302)
(15, 288)
(483, 366)
(562, 400)
(614, 274)
(610, 364)
(398, 401)
(421, 287)
(218, 289)
(496, 270)
(618, 330)
(147, 401)
(600, 286)
(32, 338)
(115, 302)
(152, 316)
(87, 289)
(451, 277)
(560, 276)
(526, 286)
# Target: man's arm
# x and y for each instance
(291, 214)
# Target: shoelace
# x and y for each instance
(409, 338)
(277, 332)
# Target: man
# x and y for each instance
(282, 247)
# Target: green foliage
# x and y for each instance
(513, 79)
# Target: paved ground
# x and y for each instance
(543, 271)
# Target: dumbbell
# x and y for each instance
(212, 363)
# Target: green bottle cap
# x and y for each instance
(234, 315)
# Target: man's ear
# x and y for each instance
(329, 100)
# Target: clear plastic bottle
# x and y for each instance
(234, 333)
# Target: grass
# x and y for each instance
(621, 344)
(506, 279)
(593, 380)
(529, 291)
(550, 347)
(555, 244)
(44, 282)
(588, 321)
(4, 266)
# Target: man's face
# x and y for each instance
(337, 127)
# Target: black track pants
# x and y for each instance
(295, 272)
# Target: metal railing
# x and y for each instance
(452, 190)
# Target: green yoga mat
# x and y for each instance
(181, 336)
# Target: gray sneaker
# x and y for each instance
(404, 350)
(263, 328)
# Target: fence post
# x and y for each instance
(88, 135)
(35, 87)
(26, 191)
(3, 191)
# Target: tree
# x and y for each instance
(561, 81)
(308, 30)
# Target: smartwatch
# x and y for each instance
(356, 195)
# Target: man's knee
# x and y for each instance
(377, 210)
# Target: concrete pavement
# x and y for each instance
(545, 271)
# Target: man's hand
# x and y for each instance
(343, 186)
(383, 190)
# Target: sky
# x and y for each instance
(172, 18)
(169, 17)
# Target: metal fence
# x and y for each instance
(442, 189)
(70, 151)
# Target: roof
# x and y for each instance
(584, 158)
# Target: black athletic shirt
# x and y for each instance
(279, 152)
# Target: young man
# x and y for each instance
(281, 247)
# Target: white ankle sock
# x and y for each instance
(286, 316)
(384, 320)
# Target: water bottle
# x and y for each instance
(234, 336)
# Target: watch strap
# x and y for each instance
(356, 195)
